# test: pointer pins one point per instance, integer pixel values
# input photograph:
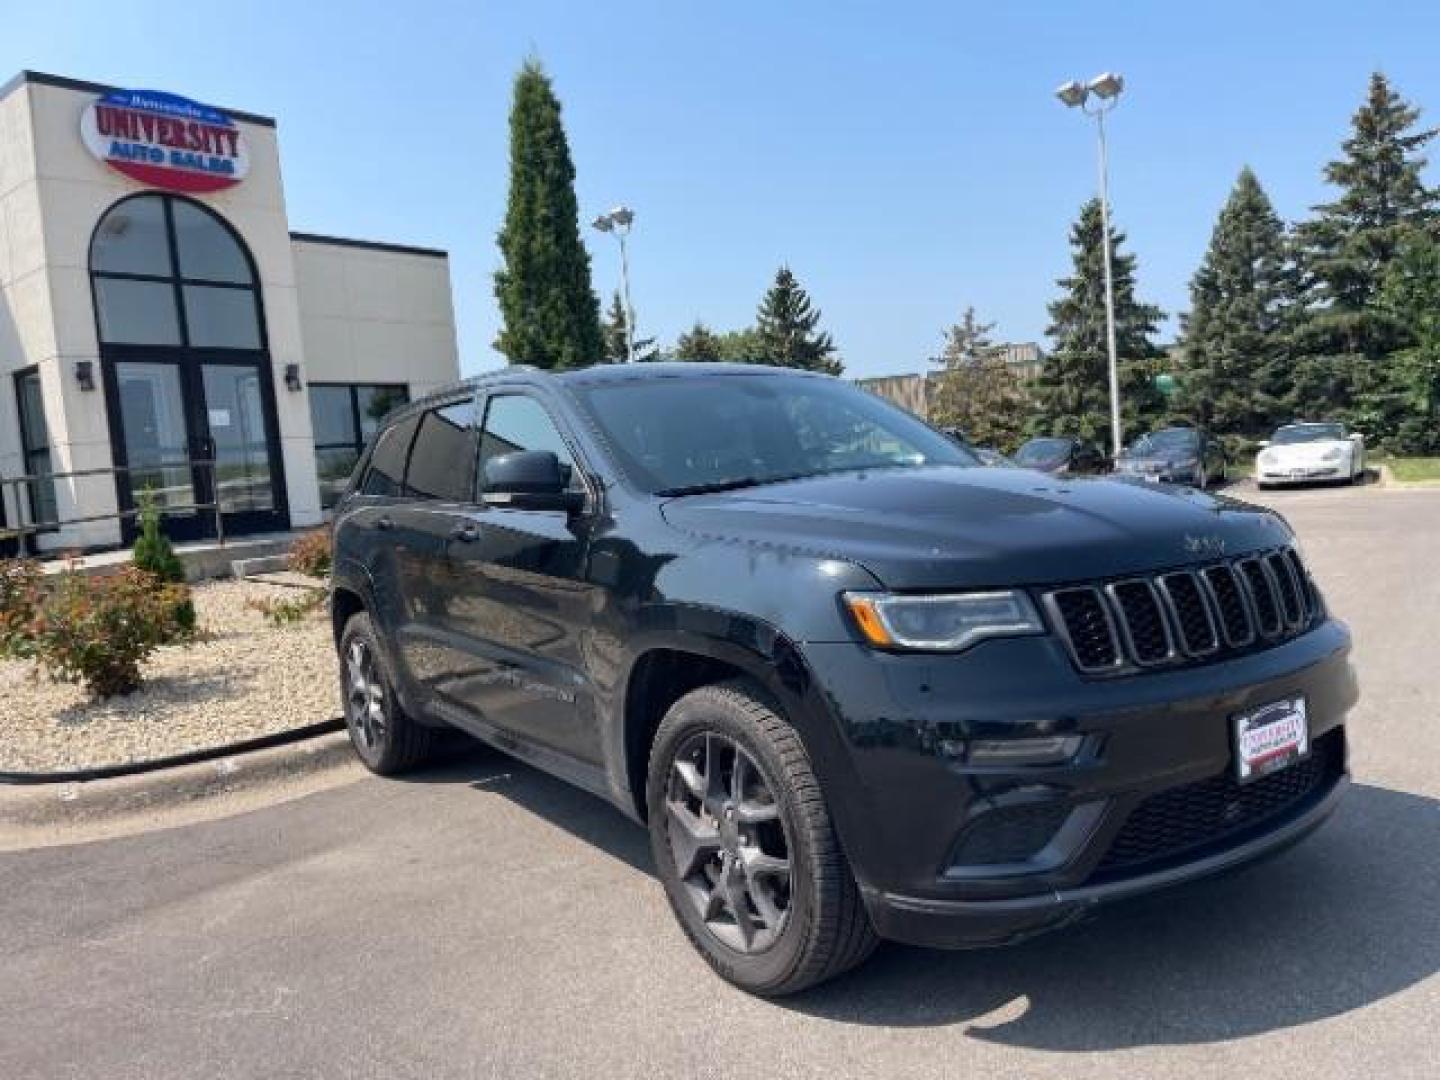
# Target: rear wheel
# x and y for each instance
(745, 848)
(386, 740)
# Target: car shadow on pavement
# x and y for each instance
(1345, 919)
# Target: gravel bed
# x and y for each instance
(250, 678)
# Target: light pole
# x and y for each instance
(1077, 95)
(618, 221)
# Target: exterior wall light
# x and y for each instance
(292, 377)
(85, 374)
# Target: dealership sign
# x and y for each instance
(165, 141)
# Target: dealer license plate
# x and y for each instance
(1270, 738)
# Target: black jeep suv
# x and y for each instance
(857, 688)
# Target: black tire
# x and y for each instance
(397, 743)
(825, 929)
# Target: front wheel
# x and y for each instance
(745, 847)
(386, 740)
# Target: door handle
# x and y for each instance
(385, 522)
(466, 534)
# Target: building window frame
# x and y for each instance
(32, 449)
(358, 440)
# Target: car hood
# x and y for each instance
(955, 527)
(1305, 453)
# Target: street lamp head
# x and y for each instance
(1107, 86)
(622, 216)
(605, 223)
(1072, 93)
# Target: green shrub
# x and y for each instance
(284, 612)
(311, 553)
(99, 630)
(155, 555)
(20, 594)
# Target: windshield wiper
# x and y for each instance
(733, 484)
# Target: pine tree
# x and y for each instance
(966, 341)
(984, 398)
(1235, 343)
(1348, 245)
(698, 343)
(786, 331)
(613, 331)
(551, 314)
(1346, 250)
(1410, 293)
(1073, 388)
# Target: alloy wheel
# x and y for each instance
(728, 840)
(364, 697)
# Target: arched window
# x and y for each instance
(168, 271)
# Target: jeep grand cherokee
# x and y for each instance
(855, 687)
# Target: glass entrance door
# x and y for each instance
(197, 434)
(238, 441)
(155, 426)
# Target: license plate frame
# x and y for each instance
(1270, 737)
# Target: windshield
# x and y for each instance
(677, 435)
(1295, 433)
(1038, 451)
(1168, 441)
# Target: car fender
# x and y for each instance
(761, 652)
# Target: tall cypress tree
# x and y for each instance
(551, 314)
(786, 331)
(1236, 338)
(1073, 390)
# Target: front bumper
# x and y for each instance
(1306, 474)
(919, 797)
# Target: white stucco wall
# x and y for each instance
(375, 315)
(341, 312)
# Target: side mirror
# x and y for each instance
(528, 480)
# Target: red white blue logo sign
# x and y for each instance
(166, 141)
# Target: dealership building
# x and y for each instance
(163, 330)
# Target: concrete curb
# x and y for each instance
(46, 806)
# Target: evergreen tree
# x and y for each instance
(786, 329)
(1236, 338)
(742, 346)
(967, 341)
(1350, 242)
(699, 343)
(1073, 389)
(984, 398)
(551, 315)
(1410, 293)
(613, 331)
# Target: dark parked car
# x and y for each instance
(1062, 456)
(1176, 455)
(985, 455)
(857, 687)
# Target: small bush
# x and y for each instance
(155, 555)
(99, 630)
(285, 612)
(20, 593)
(312, 553)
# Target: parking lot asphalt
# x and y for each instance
(482, 919)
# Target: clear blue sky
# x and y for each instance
(905, 159)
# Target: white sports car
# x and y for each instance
(1304, 453)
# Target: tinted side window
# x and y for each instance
(442, 462)
(514, 422)
(386, 472)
